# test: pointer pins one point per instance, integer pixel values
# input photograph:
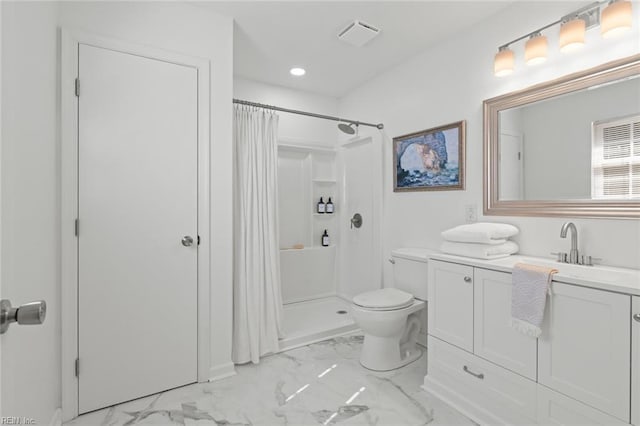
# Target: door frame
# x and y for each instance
(70, 41)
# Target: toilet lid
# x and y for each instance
(384, 299)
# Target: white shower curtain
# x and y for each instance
(257, 297)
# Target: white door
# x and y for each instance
(635, 363)
(137, 192)
(359, 247)
(510, 155)
(584, 349)
(451, 303)
(494, 339)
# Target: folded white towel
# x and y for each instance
(529, 296)
(480, 251)
(481, 232)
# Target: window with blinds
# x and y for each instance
(615, 159)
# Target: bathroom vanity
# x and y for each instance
(584, 368)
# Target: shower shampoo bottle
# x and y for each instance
(329, 206)
(325, 239)
(321, 206)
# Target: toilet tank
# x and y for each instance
(410, 270)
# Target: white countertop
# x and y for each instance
(620, 280)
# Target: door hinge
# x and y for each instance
(78, 87)
(77, 227)
(519, 155)
(77, 367)
(198, 239)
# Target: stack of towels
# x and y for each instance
(480, 240)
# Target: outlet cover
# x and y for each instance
(471, 213)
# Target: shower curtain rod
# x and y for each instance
(379, 126)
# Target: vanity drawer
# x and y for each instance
(482, 384)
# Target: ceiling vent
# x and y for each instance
(358, 33)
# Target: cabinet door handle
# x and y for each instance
(636, 317)
(467, 279)
(477, 375)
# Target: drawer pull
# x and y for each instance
(477, 375)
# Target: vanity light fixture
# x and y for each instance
(535, 49)
(616, 17)
(503, 63)
(572, 33)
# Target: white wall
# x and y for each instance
(448, 82)
(31, 172)
(304, 130)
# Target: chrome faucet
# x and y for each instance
(573, 254)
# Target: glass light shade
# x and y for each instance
(572, 35)
(535, 50)
(503, 62)
(616, 18)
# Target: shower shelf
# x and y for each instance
(325, 181)
(309, 248)
(325, 214)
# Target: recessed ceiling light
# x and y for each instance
(297, 71)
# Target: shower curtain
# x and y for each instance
(257, 297)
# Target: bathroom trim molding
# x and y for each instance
(69, 41)
(492, 205)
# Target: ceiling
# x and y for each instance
(272, 37)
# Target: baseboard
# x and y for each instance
(221, 371)
(56, 419)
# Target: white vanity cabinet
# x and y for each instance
(584, 349)
(493, 337)
(451, 317)
(635, 362)
(579, 372)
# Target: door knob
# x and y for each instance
(32, 313)
(187, 241)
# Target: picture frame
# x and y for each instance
(430, 160)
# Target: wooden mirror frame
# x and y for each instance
(492, 205)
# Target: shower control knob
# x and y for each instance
(187, 241)
(467, 279)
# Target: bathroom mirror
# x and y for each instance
(568, 147)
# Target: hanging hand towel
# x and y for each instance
(529, 296)
(482, 232)
(480, 251)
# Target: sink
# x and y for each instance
(606, 277)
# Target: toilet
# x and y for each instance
(390, 318)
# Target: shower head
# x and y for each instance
(347, 128)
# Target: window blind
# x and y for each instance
(615, 158)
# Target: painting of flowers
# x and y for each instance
(430, 160)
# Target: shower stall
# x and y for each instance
(319, 280)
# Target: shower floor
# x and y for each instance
(315, 320)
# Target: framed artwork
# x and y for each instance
(430, 160)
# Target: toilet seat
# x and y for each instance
(385, 299)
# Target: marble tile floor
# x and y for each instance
(319, 384)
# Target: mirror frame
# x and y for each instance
(492, 206)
